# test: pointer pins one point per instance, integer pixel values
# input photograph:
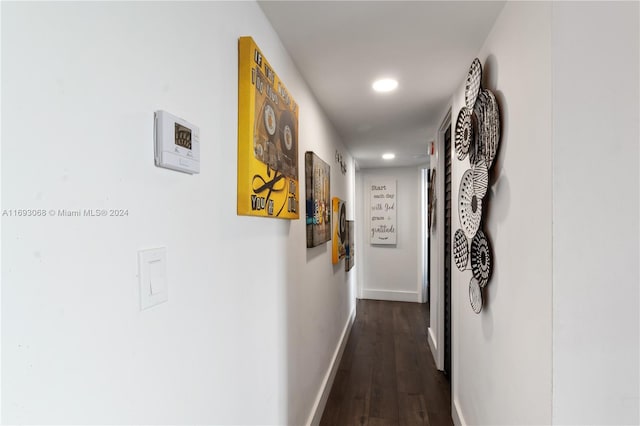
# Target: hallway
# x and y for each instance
(387, 375)
(177, 218)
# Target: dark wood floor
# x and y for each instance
(387, 375)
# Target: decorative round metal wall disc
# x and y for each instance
(464, 133)
(480, 177)
(481, 258)
(475, 295)
(469, 205)
(472, 85)
(460, 250)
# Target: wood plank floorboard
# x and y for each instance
(387, 375)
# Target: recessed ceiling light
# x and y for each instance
(388, 156)
(385, 85)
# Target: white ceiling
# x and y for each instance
(340, 47)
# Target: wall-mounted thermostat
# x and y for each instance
(177, 143)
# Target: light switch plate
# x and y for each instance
(152, 273)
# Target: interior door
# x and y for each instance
(447, 253)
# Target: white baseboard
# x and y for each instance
(433, 345)
(393, 295)
(327, 383)
(456, 414)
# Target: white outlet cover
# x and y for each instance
(152, 274)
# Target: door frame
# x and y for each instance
(436, 328)
(425, 177)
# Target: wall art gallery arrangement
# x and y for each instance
(267, 139)
(268, 158)
(339, 230)
(382, 212)
(321, 208)
(318, 201)
(477, 135)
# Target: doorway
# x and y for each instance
(427, 195)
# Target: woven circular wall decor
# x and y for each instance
(487, 132)
(464, 133)
(479, 120)
(460, 249)
(475, 295)
(472, 85)
(492, 128)
(477, 135)
(475, 145)
(469, 205)
(480, 177)
(481, 258)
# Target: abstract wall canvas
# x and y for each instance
(267, 139)
(318, 201)
(350, 248)
(339, 238)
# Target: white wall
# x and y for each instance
(595, 213)
(392, 272)
(558, 340)
(253, 317)
(502, 357)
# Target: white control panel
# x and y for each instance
(177, 143)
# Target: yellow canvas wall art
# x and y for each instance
(267, 139)
(339, 230)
